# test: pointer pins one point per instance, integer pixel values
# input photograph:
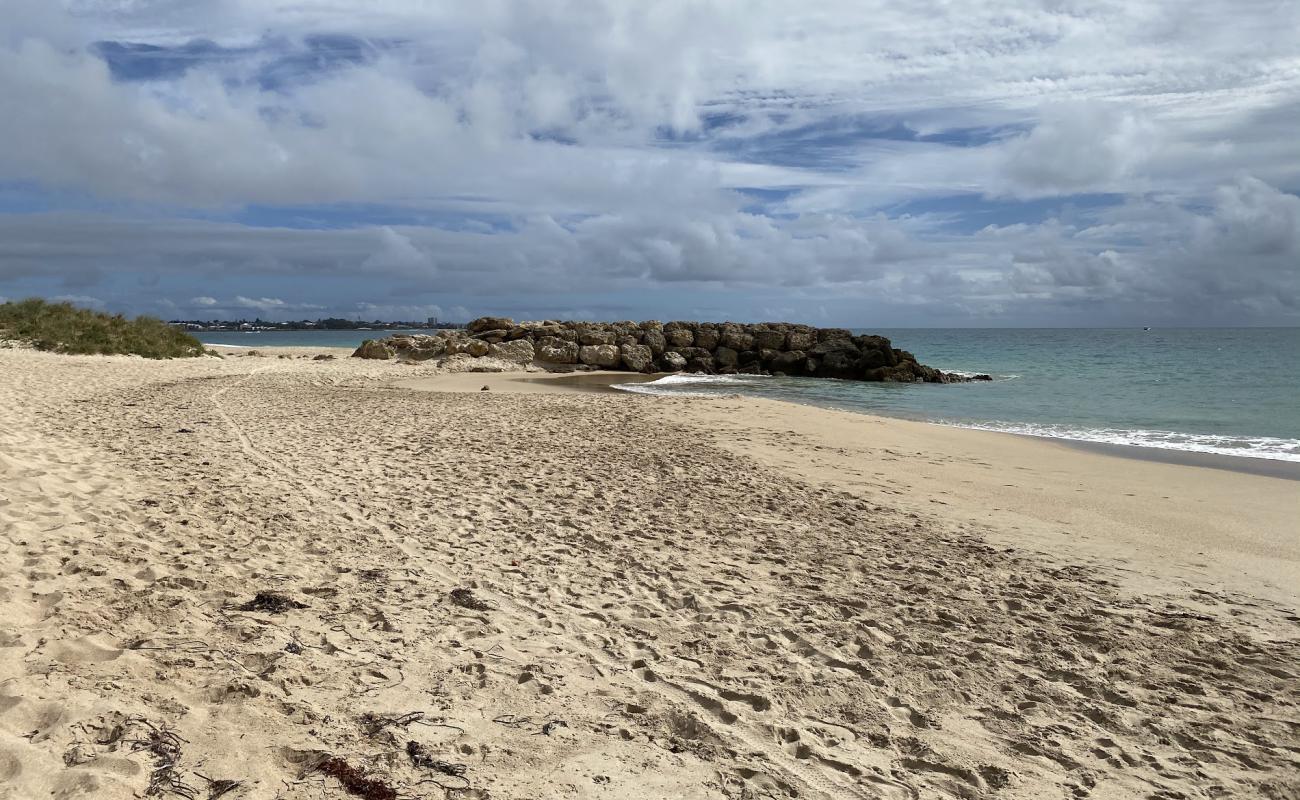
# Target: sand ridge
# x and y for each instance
(661, 615)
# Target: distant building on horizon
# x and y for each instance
(433, 321)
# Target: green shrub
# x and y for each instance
(64, 328)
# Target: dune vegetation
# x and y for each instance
(64, 328)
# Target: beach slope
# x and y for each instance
(282, 577)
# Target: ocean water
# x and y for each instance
(1228, 391)
(294, 338)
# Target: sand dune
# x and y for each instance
(659, 598)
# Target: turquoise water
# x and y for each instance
(1229, 391)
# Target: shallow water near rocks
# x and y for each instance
(1226, 391)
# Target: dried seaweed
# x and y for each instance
(466, 599)
(421, 757)
(220, 787)
(549, 727)
(354, 781)
(372, 724)
(271, 603)
(165, 747)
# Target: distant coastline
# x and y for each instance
(326, 324)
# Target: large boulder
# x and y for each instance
(519, 351)
(769, 339)
(707, 337)
(737, 338)
(798, 339)
(591, 337)
(490, 324)
(421, 348)
(679, 337)
(672, 362)
(637, 357)
(831, 334)
(790, 362)
(373, 348)
(554, 350)
(838, 358)
(654, 339)
(726, 357)
(470, 347)
(600, 355)
(703, 364)
(692, 352)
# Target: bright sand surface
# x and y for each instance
(667, 597)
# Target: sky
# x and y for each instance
(835, 162)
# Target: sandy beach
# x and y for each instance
(540, 591)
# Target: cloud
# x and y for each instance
(78, 300)
(921, 154)
(270, 304)
(1149, 258)
(1080, 148)
(397, 254)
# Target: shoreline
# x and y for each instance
(604, 381)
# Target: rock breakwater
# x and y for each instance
(727, 348)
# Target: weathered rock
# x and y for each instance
(707, 337)
(600, 355)
(692, 352)
(800, 340)
(520, 351)
(490, 324)
(769, 339)
(703, 364)
(470, 347)
(831, 334)
(679, 337)
(627, 328)
(637, 357)
(596, 337)
(654, 339)
(791, 363)
(554, 350)
(373, 348)
(729, 347)
(422, 348)
(737, 338)
(671, 362)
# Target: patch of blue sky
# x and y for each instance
(359, 215)
(841, 143)
(766, 200)
(278, 62)
(133, 61)
(967, 213)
